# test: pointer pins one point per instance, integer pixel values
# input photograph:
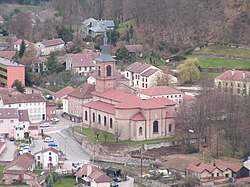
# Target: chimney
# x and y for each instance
(244, 75)
(89, 169)
(232, 72)
(214, 163)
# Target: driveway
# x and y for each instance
(9, 153)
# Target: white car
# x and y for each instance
(44, 125)
(54, 119)
(48, 140)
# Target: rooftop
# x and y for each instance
(24, 161)
(134, 48)
(23, 115)
(8, 113)
(137, 67)
(51, 149)
(235, 75)
(83, 92)
(63, 92)
(101, 106)
(23, 98)
(53, 42)
(160, 90)
(8, 62)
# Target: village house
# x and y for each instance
(91, 175)
(143, 76)
(39, 65)
(4, 45)
(162, 91)
(47, 158)
(125, 115)
(11, 71)
(34, 103)
(134, 51)
(76, 99)
(14, 123)
(61, 94)
(21, 131)
(95, 27)
(17, 44)
(238, 82)
(50, 110)
(216, 171)
(20, 170)
(81, 63)
(46, 47)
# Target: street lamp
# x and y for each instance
(94, 151)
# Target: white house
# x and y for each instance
(47, 158)
(48, 46)
(17, 44)
(162, 91)
(91, 175)
(34, 103)
(143, 76)
(81, 63)
(21, 131)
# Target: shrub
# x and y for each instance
(191, 149)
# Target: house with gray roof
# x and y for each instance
(96, 27)
(48, 46)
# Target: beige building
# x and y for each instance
(49, 46)
(238, 82)
(143, 76)
(125, 115)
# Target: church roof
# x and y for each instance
(105, 55)
(138, 117)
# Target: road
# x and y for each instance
(66, 144)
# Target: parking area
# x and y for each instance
(9, 153)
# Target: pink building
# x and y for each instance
(9, 118)
(50, 110)
(76, 99)
(11, 71)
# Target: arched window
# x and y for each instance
(86, 116)
(155, 127)
(111, 123)
(105, 121)
(108, 71)
(170, 128)
(99, 71)
(93, 117)
(140, 131)
(99, 118)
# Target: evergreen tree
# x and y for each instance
(52, 64)
(51, 181)
(18, 86)
(122, 54)
(22, 49)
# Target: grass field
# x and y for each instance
(154, 60)
(1, 171)
(225, 51)
(66, 182)
(90, 135)
(206, 62)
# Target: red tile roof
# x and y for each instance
(2, 144)
(33, 127)
(63, 92)
(23, 98)
(54, 42)
(97, 175)
(23, 115)
(199, 168)
(85, 59)
(83, 92)
(188, 97)
(149, 72)
(221, 163)
(4, 44)
(51, 149)
(101, 106)
(137, 67)
(7, 54)
(234, 75)
(19, 42)
(134, 48)
(160, 90)
(24, 161)
(138, 117)
(8, 113)
(164, 101)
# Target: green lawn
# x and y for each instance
(154, 60)
(90, 135)
(206, 62)
(38, 172)
(226, 51)
(65, 182)
(126, 24)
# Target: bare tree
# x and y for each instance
(118, 133)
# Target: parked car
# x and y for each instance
(52, 145)
(48, 140)
(54, 119)
(11, 138)
(117, 179)
(113, 185)
(44, 125)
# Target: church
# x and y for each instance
(125, 115)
